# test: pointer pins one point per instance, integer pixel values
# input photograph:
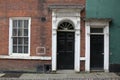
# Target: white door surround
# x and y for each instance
(97, 23)
(70, 13)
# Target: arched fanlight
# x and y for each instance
(65, 26)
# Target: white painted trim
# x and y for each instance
(77, 51)
(29, 33)
(105, 26)
(54, 42)
(25, 57)
(87, 47)
(82, 58)
(106, 48)
(10, 35)
(75, 19)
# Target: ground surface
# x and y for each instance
(59, 76)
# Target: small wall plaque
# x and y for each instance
(40, 50)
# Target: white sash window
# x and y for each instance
(19, 36)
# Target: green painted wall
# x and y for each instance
(108, 9)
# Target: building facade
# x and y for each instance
(42, 32)
(56, 35)
(106, 11)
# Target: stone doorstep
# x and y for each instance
(1, 74)
(11, 75)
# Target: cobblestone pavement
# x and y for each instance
(77, 76)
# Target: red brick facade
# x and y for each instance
(41, 31)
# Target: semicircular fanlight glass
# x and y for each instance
(65, 26)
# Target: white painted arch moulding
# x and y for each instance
(73, 17)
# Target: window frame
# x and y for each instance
(10, 36)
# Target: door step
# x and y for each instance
(65, 72)
(96, 70)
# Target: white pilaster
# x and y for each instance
(77, 43)
(54, 51)
(77, 51)
(87, 47)
(54, 41)
(106, 48)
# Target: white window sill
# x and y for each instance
(25, 57)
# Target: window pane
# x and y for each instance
(96, 30)
(25, 32)
(20, 41)
(14, 32)
(25, 23)
(20, 23)
(20, 49)
(14, 23)
(20, 32)
(25, 49)
(26, 41)
(14, 49)
(14, 41)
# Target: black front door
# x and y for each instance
(96, 51)
(65, 50)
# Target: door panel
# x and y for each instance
(61, 46)
(96, 51)
(65, 50)
(69, 45)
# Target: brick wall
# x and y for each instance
(40, 30)
(21, 65)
